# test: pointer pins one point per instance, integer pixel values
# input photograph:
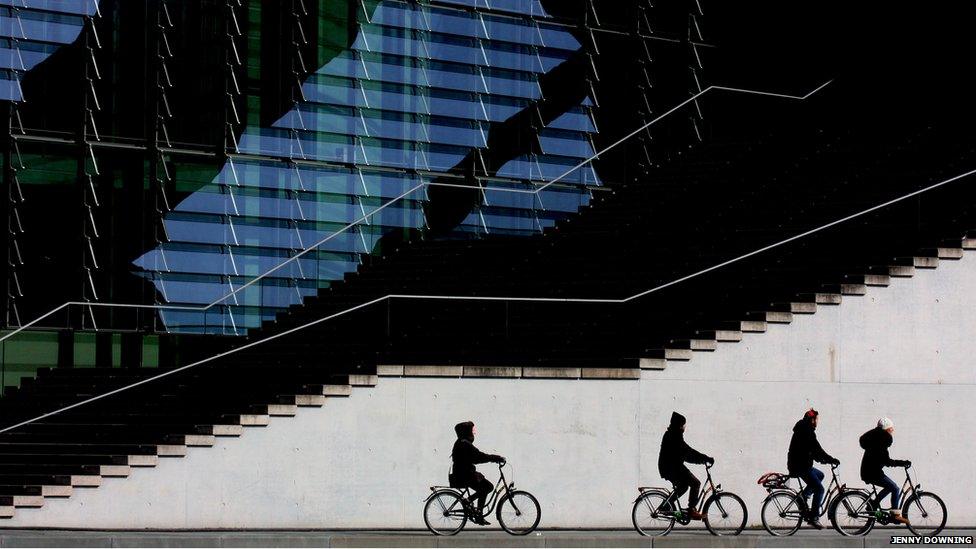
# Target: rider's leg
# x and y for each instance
(814, 480)
(482, 487)
(694, 487)
(680, 483)
(888, 486)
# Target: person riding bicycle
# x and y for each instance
(804, 449)
(875, 444)
(463, 475)
(675, 452)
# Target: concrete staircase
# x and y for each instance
(76, 449)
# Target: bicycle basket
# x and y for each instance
(772, 481)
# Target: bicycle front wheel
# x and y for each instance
(725, 514)
(926, 514)
(852, 514)
(653, 514)
(444, 513)
(782, 513)
(519, 513)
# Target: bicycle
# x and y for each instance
(784, 508)
(447, 510)
(925, 511)
(654, 514)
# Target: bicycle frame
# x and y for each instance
(502, 487)
(708, 488)
(908, 488)
(834, 490)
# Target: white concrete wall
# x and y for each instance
(582, 446)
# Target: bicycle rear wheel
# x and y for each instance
(653, 515)
(926, 514)
(782, 513)
(444, 513)
(852, 514)
(725, 514)
(519, 513)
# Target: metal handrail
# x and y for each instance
(365, 217)
(493, 298)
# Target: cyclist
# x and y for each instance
(804, 449)
(876, 443)
(675, 452)
(464, 475)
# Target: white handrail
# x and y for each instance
(415, 188)
(500, 298)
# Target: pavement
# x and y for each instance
(418, 538)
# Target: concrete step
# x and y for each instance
(922, 262)
(868, 279)
(754, 326)
(653, 364)
(693, 344)
(114, 470)
(140, 460)
(798, 307)
(771, 317)
(282, 410)
(668, 354)
(969, 243)
(846, 289)
(255, 420)
(86, 481)
(200, 440)
(6, 511)
(363, 380)
(822, 298)
(308, 401)
(336, 390)
(56, 491)
(32, 502)
(721, 336)
(901, 271)
(170, 450)
(228, 430)
(946, 252)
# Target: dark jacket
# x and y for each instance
(465, 455)
(876, 443)
(675, 452)
(804, 449)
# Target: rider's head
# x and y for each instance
(886, 424)
(677, 421)
(812, 416)
(465, 430)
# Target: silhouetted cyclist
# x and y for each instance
(804, 449)
(675, 452)
(876, 443)
(464, 475)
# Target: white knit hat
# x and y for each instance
(886, 423)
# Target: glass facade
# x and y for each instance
(416, 93)
(167, 152)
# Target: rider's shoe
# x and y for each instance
(480, 520)
(814, 521)
(896, 517)
(694, 515)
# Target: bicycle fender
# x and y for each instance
(652, 491)
(435, 492)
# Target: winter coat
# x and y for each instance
(804, 449)
(875, 444)
(465, 456)
(675, 452)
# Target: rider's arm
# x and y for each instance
(694, 456)
(820, 454)
(477, 456)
